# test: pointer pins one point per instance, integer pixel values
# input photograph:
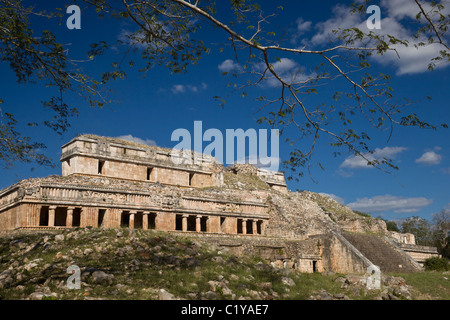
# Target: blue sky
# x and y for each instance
(151, 108)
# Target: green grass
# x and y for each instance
(429, 284)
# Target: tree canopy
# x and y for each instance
(166, 34)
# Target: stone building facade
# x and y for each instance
(112, 183)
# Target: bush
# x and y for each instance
(392, 226)
(435, 263)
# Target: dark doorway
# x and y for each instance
(222, 224)
(152, 220)
(60, 217)
(125, 219)
(259, 227)
(43, 216)
(249, 226)
(101, 216)
(76, 217)
(179, 222)
(138, 220)
(239, 225)
(204, 224)
(191, 223)
(101, 165)
(314, 265)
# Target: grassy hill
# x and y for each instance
(129, 264)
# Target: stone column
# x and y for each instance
(244, 226)
(69, 217)
(145, 220)
(131, 224)
(184, 222)
(51, 216)
(255, 226)
(198, 226)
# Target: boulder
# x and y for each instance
(59, 237)
(100, 277)
(164, 295)
(288, 281)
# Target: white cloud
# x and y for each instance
(390, 203)
(403, 8)
(181, 88)
(129, 137)
(396, 15)
(334, 197)
(287, 69)
(358, 162)
(229, 65)
(303, 25)
(178, 88)
(341, 19)
(430, 158)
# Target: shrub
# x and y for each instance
(435, 263)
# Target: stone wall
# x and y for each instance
(341, 256)
(94, 155)
(405, 238)
(419, 253)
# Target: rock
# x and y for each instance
(87, 272)
(383, 295)
(59, 237)
(263, 266)
(135, 262)
(339, 296)
(164, 295)
(324, 295)
(6, 278)
(288, 281)
(227, 292)
(174, 260)
(402, 291)
(100, 277)
(41, 295)
(192, 262)
(354, 279)
(30, 266)
(218, 259)
(210, 295)
(19, 276)
(340, 279)
(190, 251)
(254, 295)
(234, 277)
(120, 252)
(390, 281)
(87, 251)
(265, 285)
(393, 297)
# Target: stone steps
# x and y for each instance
(380, 253)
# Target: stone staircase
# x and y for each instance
(381, 253)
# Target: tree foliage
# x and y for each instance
(435, 233)
(166, 35)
